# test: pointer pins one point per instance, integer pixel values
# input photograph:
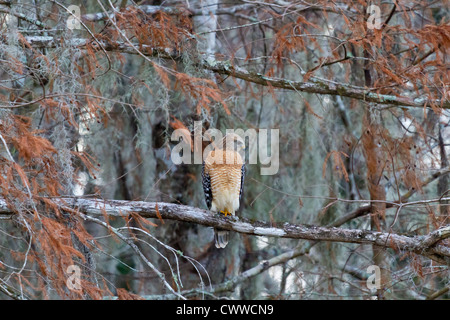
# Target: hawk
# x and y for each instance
(223, 174)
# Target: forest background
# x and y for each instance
(92, 206)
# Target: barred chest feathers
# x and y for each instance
(225, 181)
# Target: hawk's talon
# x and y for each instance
(225, 213)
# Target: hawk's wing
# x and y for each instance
(242, 181)
(206, 182)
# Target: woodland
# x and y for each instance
(93, 207)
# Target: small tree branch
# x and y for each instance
(438, 293)
(10, 291)
(231, 10)
(320, 87)
(147, 9)
(435, 236)
(24, 17)
(364, 210)
(135, 248)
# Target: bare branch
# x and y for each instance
(24, 17)
(226, 68)
(320, 87)
(10, 291)
(423, 245)
(363, 210)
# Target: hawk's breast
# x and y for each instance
(225, 171)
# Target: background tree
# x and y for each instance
(358, 90)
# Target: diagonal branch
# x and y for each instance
(320, 87)
(226, 68)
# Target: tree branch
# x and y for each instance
(423, 245)
(320, 87)
(24, 17)
(364, 210)
(231, 10)
(10, 291)
(226, 68)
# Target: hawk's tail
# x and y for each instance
(221, 237)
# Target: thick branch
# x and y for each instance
(423, 245)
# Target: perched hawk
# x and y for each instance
(223, 178)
